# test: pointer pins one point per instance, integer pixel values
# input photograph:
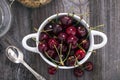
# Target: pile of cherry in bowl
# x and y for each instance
(64, 41)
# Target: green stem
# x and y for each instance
(47, 30)
(92, 51)
(12, 3)
(35, 29)
(68, 53)
(76, 59)
(51, 58)
(81, 47)
(56, 20)
(50, 20)
(59, 55)
(34, 39)
(92, 28)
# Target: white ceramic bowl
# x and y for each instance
(92, 46)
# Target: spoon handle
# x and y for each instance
(38, 76)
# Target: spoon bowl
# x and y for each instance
(14, 54)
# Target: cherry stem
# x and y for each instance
(92, 51)
(12, 1)
(77, 23)
(35, 29)
(47, 30)
(95, 27)
(51, 58)
(81, 47)
(56, 20)
(68, 52)
(34, 39)
(76, 60)
(50, 20)
(60, 57)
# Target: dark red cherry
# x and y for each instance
(78, 72)
(52, 43)
(57, 28)
(48, 27)
(43, 36)
(62, 36)
(42, 47)
(72, 39)
(82, 31)
(71, 30)
(64, 47)
(66, 20)
(70, 61)
(85, 43)
(72, 52)
(74, 46)
(80, 54)
(51, 53)
(52, 70)
(88, 66)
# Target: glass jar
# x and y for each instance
(5, 17)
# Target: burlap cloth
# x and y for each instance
(34, 3)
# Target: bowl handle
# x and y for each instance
(104, 37)
(26, 46)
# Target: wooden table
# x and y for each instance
(106, 60)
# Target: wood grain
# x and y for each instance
(106, 60)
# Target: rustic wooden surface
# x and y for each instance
(106, 60)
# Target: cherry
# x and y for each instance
(64, 47)
(52, 43)
(70, 61)
(52, 70)
(57, 28)
(82, 31)
(74, 46)
(42, 47)
(85, 44)
(72, 52)
(43, 36)
(51, 53)
(80, 54)
(66, 20)
(78, 72)
(48, 27)
(71, 30)
(62, 36)
(57, 58)
(88, 66)
(72, 39)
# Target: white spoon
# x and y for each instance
(16, 56)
